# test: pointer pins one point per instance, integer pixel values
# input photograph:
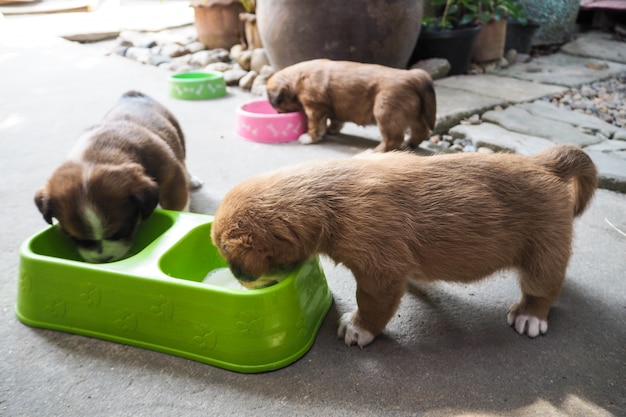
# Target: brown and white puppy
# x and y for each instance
(366, 94)
(115, 176)
(397, 216)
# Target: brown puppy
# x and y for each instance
(397, 216)
(366, 94)
(115, 176)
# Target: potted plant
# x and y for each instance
(492, 16)
(449, 33)
(371, 31)
(251, 38)
(217, 22)
(520, 31)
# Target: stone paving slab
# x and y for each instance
(519, 120)
(563, 69)
(597, 45)
(454, 105)
(509, 90)
(609, 155)
(499, 139)
(552, 112)
(612, 168)
(109, 20)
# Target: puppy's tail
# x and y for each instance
(425, 89)
(570, 162)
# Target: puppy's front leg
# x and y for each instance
(174, 191)
(376, 306)
(316, 126)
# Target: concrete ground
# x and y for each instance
(448, 351)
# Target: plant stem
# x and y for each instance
(445, 13)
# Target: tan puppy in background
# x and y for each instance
(115, 176)
(394, 217)
(366, 94)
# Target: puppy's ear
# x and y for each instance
(146, 198)
(42, 201)
(277, 97)
(145, 194)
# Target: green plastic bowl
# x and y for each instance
(156, 298)
(197, 85)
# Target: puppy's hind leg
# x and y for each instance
(419, 133)
(334, 127)
(376, 306)
(391, 124)
(541, 280)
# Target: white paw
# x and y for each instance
(352, 334)
(305, 139)
(194, 182)
(530, 325)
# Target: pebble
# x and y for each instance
(195, 46)
(180, 50)
(246, 81)
(244, 59)
(138, 54)
(219, 66)
(173, 50)
(604, 99)
(209, 56)
(436, 67)
(258, 60)
(232, 76)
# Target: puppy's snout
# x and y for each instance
(274, 101)
(239, 273)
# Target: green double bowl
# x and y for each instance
(155, 298)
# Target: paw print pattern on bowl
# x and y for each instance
(156, 298)
(90, 295)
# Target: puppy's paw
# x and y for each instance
(525, 324)
(306, 139)
(351, 333)
(334, 127)
(194, 182)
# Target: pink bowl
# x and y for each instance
(258, 121)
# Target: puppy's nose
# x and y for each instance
(241, 275)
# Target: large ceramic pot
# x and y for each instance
(453, 45)
(556, 19)
(371, 31)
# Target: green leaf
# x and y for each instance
(466, 20)
(485, 17)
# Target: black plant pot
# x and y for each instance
(520, 37)
(454, 45)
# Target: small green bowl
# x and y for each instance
(197, 85)
(158, 298)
